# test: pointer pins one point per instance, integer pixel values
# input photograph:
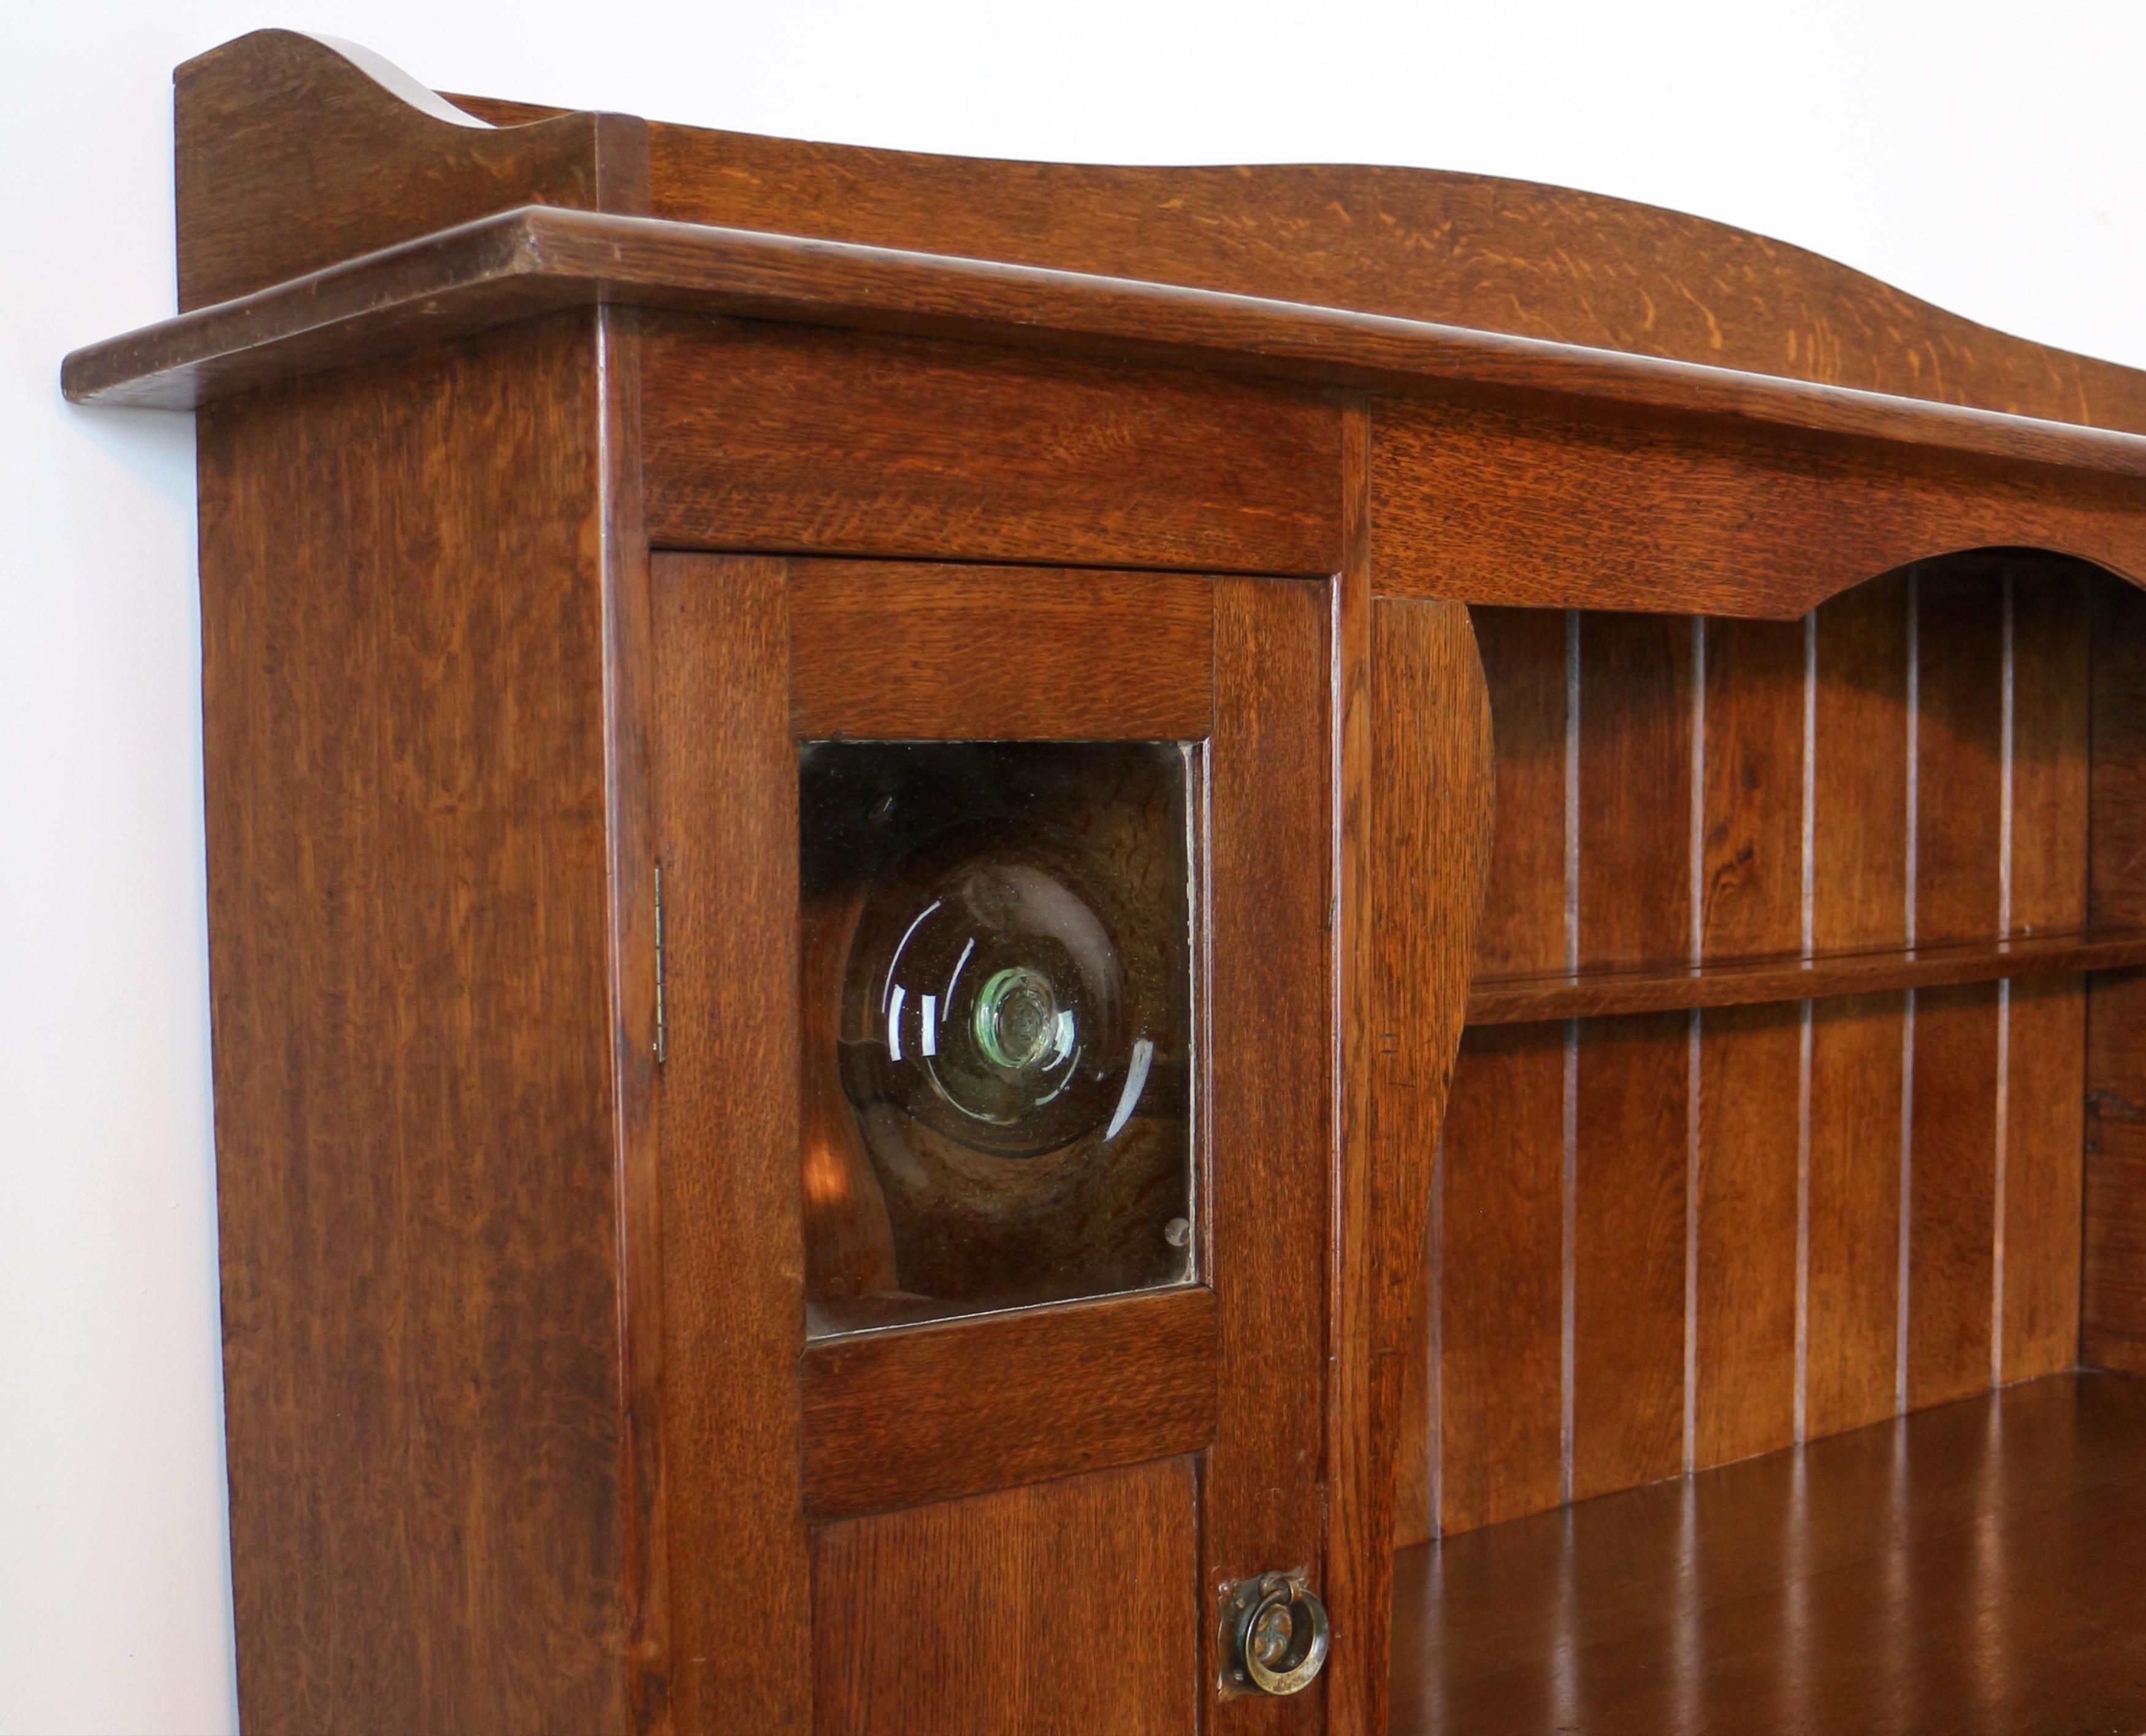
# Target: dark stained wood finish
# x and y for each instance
(2113, 1289)
(1793, 1254)
(1631, 1169)
(1635, 772)
(1974, 1569)
(1632, 1127)
(1499, 1300)
(899, 653)
(1744, 1246)
(1460, 250)
(2117, 772)
(1753, 982)
(789, 438)
(415, 1094)
(630, 674)
(1960, 844)
(725, 775)
(904, 1417)
(1751, 729)
(537, 259)
(1951, 1189)
(1413, 887)
(1860, 846)
(290, 156)
(1523, 928)
(1859, 851)
(2045, 1138)
(1852, 1329)
(2112, 1301)
(1959, 768)
(1530, 505)
(1059, 1609)
(2052, 748)
(1272, 976)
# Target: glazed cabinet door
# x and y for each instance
(995, 1147)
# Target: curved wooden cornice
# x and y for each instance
(293, 155)
(1457, 250)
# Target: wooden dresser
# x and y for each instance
(1009, 948)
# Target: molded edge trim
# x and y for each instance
(535, 260)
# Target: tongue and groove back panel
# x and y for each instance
(1669, 1239)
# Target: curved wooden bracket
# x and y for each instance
(294, 152)
(1415, 801)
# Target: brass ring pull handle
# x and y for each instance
(1274, 1635)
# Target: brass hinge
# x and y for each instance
(659, 965)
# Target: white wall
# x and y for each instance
(1992, 158)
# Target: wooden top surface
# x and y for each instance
(1976, 1568)
(328, 213)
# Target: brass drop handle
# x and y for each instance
(1274, 1635)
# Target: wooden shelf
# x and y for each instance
(1750, 982)
(1977, 1568)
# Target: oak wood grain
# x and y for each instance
(953, 1619)
(1628, 1274)
(1525, 504)
(2052, 747)
(1415, 894)
(1952, 1194)
(629, 679)
(1745, 1252)
(771, 436)
(1959, 747)
(917, 652)
(290, 156)
(904, 1417)
(1860, 730)
(2044, 1144)
(1752, 748)
(417, 1203)
(523, 262)
(1852, 1338)
(2117, 771)
(1635, 789)
(2113, 1286)
(1460, 250)
(1969, 1569)
(1522, 927)
(725, 776)
(1463, 250)
(1751, 982)
(1271, 965)
(1500, 1294)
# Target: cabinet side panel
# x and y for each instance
(1060, 1609)
(403, 719)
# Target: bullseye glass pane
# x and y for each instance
(998, 1005)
